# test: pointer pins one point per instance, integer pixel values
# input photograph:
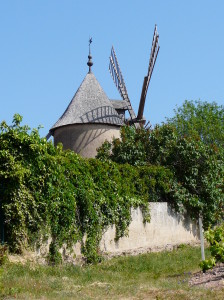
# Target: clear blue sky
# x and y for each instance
(44, 49)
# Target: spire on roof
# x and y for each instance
(90, 63)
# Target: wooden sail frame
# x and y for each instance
(118, 79)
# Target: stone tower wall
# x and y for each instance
(84, 139)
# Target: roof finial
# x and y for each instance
(90, 63)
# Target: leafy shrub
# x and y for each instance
(54, 256)
(215, 237)
(132, 148)
(197, 168)
(207, 264)
(46, 191)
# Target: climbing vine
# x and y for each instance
(46, 191)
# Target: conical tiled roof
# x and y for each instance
(90, 104)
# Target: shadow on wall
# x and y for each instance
(184, 219)
(103, 114)
(85, 138)
(88, 137)
(89, 131)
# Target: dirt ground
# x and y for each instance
(210, 279)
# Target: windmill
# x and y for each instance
(118, 79)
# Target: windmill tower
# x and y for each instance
(138, 120)
(89, 119)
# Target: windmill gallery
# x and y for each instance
(91, 117)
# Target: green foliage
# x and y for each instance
(131, 148)
(46, 191)
(215, 237)
(54, 256)
(201, 119)
(207, 264)
(197, 168)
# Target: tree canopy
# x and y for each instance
(202, 119)
(190, 146)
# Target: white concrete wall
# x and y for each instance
(166, 230)
(84, 139)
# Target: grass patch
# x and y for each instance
(161, 275)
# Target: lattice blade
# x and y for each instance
(152, 61)
(116, 74)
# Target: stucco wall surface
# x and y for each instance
(84, 139)
(165, 230)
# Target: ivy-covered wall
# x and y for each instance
(50, 192)
(46, 191)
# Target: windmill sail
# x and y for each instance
(116, 74)
(152, 61)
